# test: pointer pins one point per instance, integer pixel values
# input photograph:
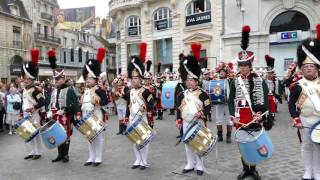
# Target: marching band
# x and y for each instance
(244, 101)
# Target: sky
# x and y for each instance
(101, 5)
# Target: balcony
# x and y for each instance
(17, 44)
(46, 16)
(115, 5)
(47, 38)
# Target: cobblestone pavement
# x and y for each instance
(166, 160)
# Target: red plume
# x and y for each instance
(101, 54)
(35, 55)
(51, 54)
(143, 51)
(318, 31)
(246, 29)
(196, 47)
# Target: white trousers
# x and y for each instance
(121, 111)
(96, 149)
(193, 160)
(310, 153)
(34, 146)
(141, 155)
(222, 115)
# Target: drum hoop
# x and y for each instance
(98, 133)
(134, 124)
(313, 128)
(251, 140)
(193, 134)
(33, 135)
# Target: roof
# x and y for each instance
(4, 8)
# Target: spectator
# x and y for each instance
(13, 108)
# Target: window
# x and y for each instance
(134, 26)
(289, 21)
(52, 31)
(65, 42)
(45, 31)
(64, 56)
(72, 55)
(14, 10)
(162, 19)
(38, 28)
(80, 54)
(16, 37)
(198, 6)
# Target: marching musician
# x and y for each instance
(93, 99)
(193, 104)
(158, 86)
(119, 92)
(140, 102)
(206, 81)
(304, 104)
(273, 86)
(222, 111)
(32, 101)
(171, 78)
(150, 87)
(63, 106)
(248, 97)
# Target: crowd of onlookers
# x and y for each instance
(11, 100)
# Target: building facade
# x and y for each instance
(15, 38)
(277, 28)
(168, 27)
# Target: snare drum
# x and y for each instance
(53, 134)
(218, 91)
(140, 133)
(168, 94)
(200, 139)
(90, 126)
(26, 129)
(314, 132)
(254, 143)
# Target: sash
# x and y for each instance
(311, 92)
(190, 102)
(245, 92)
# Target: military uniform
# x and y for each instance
(32, 102)
(152, 90)
(119, 94)
(140, 102)
(248, 95)
(193, 104)
(93, 99)
(304, 105)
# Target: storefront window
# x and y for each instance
(133, 50)
(198, 6)
(290, 21)
(163, 51)
(134, 26)
(162, 19)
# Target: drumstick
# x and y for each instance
(247, 124)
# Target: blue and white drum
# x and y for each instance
(314, 133)
(218, 91)
(168, 94)
(254, 143)
(53, 134)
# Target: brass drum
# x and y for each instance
(200, 139)
(26, 129)
(90, 126)
(140, 133)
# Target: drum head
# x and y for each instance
(315, 133)
(192, 131)
(249, 133)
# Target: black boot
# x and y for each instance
(124, 128)
(66, 152)
(171, 112)
(229, 129)
(59, 157)
(120, 129)
(254, 173)
(158, 113)
(209, 117)
(220, 136)
(161, 115)
(245, 172)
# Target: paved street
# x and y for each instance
(165, 159)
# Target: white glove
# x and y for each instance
(49, 114)
(60, 112)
